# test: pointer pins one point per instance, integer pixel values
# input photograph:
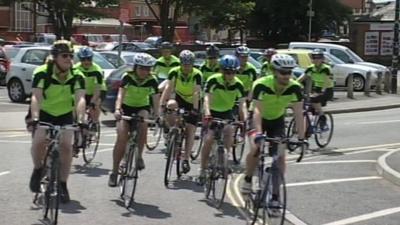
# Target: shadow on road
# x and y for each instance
(226, 209)
(187, 183)
(143, 210)
(72, 207)
(108, 123)
(90, 170)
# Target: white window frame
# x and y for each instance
(138, 10)
(146, 11)
(23, 19)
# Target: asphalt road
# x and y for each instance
(331, 186)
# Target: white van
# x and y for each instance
(340, 51)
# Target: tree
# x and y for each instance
(62, 12)
(287, 20)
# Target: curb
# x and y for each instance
(386, 171)
(365, 109)
(13, 130)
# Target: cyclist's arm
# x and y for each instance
(206, 104)
(97, 89)
(243, 108)
(156, 99)
(298, 115)
(80, 105)
(120, 98)
(36, 99)
(257, 121)
(196, 92)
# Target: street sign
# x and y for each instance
(124, 15)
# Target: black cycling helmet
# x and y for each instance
(166, 45)
(317, 54)
(61, 46)
(212, 51)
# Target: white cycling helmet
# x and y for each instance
(187, 57)
(283, 62)
(144, 59)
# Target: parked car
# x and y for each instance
(112, 57)
(137, 47)
(340, 69)
(91, 40)
(113, 83)
(154, 41)
(341, 52)
(19, 77)
(46, 38)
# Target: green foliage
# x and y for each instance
(286, 20)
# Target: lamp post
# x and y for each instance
(310, 14)
(395, 57)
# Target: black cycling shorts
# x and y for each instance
(62, 120)
(226, 115)
(274, 128)
(182, 104)
(129, 110)
(325, 96)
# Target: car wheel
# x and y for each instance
(16, 91)
(358, 82)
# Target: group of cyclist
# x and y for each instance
(224, 88)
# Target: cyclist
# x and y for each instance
(165, 63)
(222, 91)
(186, 81)
(134, 98)
(271, 96)
(93, 80)
(266, 68)
(322, 83)
(247, 73)
(53, 86)
(211, 65)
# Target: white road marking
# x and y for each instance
(336, 162)
(235, 203)
(329, 181)
(367, 216)
(4, 173)
(378, 122)
(30, 142)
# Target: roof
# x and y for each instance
(100, 22)
(294, 51)
(317, 44)
(386, 13)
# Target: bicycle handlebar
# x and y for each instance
(49, 126)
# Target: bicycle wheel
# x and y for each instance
(154, 131)
(171, 157)
(52, 193)
(272, 214)
(323, 132)
(91, 142)
(291, 133)
(198, 142)
(129, 176)
(219, 178)
(238, 147)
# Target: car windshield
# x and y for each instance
(333, 59)
(354, 56)
(99, 60)
(11, 52)
(129, 58)
(142, 45)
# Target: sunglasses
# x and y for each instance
(67, 55)
(86, 59)
(146, 68)
(229, 72)
(317, 57)
(285, 72)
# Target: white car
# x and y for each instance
(19, 77)
(341, 71)
(125, 58)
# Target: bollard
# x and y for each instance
(350, 86)
(367, 85)
(386, 86)
(378, 87)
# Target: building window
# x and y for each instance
(137, 10)
(4, 3)
(23, 17)
(145, 11)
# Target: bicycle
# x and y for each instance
(128, 169)
(87, 141)
(314, 125)
(269, 177)
(239, 140)
(198, 141)
(218, 170)
(49, 195)
(175, 139)
(156, 130)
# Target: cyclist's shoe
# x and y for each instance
(201, 180)
(64, 195)
(34, 183)
(245, 188)
(275, 208)
(185, 166)
(140, 164)
(112, 181)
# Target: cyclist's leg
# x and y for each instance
(38, 153)
(170, 118)
(205, 151)
(162, 84)
(122, 140)
(144, 112)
